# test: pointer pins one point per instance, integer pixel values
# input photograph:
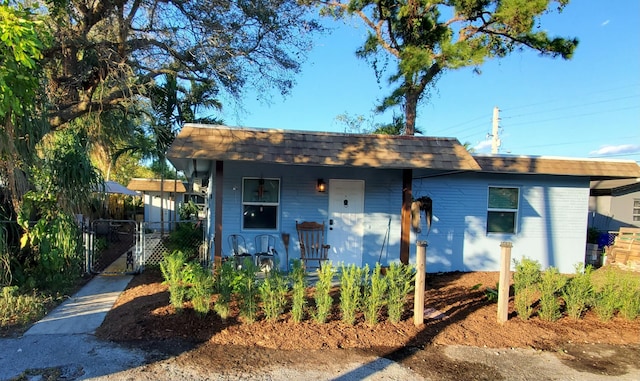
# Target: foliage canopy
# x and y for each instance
(429, 37)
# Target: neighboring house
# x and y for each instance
(614, 204)
(160, 205)
(264, 181)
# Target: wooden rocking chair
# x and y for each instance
(312, 246)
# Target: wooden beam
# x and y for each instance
(217, 241)
(405, 222)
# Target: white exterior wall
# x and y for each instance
(551, 222)
(153, 205)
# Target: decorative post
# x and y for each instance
(418, 297)
(285, 241)
(503, 285)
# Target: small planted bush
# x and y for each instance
(527, 273)
(375, 289)
(400, 283)
(350, 292)
(607, 296)
(224, 287)
(201, 289)
(630, 298)
(322, 295)
(578, 292)
(551, 282)
(273, 293)
(172, 267)
(298, 293)
(247, 291)
(526, 280)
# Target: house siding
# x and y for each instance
(551, 223)
(299, 201)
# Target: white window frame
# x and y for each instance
(259, 203)
(635, 212)
(515, 211)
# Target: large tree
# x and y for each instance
(429, 37)
(107, 54)
(22, 39)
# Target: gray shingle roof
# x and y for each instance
(209, 142)
(559, 166)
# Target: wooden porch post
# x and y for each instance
(217, 238)
(405, 222)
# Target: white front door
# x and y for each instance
(346, 221)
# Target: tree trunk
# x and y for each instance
(410, 111)
(411, 99)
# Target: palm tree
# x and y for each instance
(171, 106)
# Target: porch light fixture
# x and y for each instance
(321, 186)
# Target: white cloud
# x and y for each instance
(616, 150)
(483, 146)
(604, 23)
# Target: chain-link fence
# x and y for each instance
(186, 236)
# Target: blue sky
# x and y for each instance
(586, 107)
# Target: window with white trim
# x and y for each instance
(636, 209)
(260, 203)
(502, 209)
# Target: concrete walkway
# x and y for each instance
(64, 339)
(84, 311)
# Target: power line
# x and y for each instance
(574, 116)
(575, 106)
(635, 85)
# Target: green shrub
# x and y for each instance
(527, 273)
(18, 309)
(400, 283)
(247, 290)
(630, 297)
(607, 296)
(375, 289)
(172, 268)
(550, 285)
(492, 293)
(350, 292)
(322, 294)
(526, 279)
(201, 289)
(578, 292)
(224, 287)
(299, 288)
(273, 293)
(523, 302)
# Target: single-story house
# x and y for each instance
(614, 204)
(161, 199)
(264, 181)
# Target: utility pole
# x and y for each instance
(495, 138)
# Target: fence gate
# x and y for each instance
(113, 247)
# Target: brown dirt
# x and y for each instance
(142, 317)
